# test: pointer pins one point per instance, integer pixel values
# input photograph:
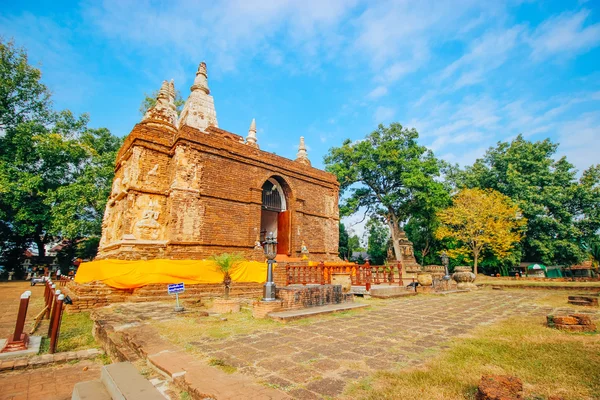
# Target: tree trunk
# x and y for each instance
(41, 249)
(395, 231)
(475, 257)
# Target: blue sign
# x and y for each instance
(176, 288)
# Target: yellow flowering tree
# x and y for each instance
(481, 219)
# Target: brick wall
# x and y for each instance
(189, 194)
(92, 295)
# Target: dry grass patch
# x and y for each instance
(192, 328)
(186, 330)
(549, 362)
(560, 299)
(488, 280)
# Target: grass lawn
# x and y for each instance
(549, 362)
(75, 334)
(559, 298)
(488, 280)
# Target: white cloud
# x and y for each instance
(230, 30)
(384, 114)
(580, 140)
(378, 92)
(485, 54)
(564, 34)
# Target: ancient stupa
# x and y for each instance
(186, 189)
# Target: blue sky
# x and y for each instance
(466, 74)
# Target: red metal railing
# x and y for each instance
(360, 275)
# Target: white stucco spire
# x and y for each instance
(302, 155)
(251, 138)
(164, 108)
(199, 110)
(201, 81)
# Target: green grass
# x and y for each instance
(75, 334)
(222, 365)
(550, 362)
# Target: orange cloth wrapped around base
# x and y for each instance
(123, 274)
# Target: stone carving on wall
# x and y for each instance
(112, 223)
(129, 177)
(153, 171)
(187, 173)
(148, 227)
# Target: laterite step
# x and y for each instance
(311, 311)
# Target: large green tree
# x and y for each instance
(388, 175)
(22, 96)
(562, 212)
(377, 243)
(55, 172)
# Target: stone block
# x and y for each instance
(260, 309)
(7, 365)
(424, 289)
(21, 363)
(499, 387)
(222, 306)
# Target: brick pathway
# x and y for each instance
(318, 358)
(49, 383)
(10, 296)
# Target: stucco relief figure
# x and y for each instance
(148, 227)
(304, 250)
(106, 234)
(257, 245)
(187, 173)
(153, 171)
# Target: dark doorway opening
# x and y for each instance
(275, 217)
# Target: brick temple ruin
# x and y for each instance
(186, 189)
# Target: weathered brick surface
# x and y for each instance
(221, 306)
(260, 309)
(571, 323)
(499, 387)
(92, 295)
(565, 320)
(297, 296)
(185, 194)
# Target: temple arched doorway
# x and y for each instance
(275, 216)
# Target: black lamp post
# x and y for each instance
(270, 252)
(444, 258)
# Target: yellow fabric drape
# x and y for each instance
(122, 274)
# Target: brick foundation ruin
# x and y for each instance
(571, 322)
